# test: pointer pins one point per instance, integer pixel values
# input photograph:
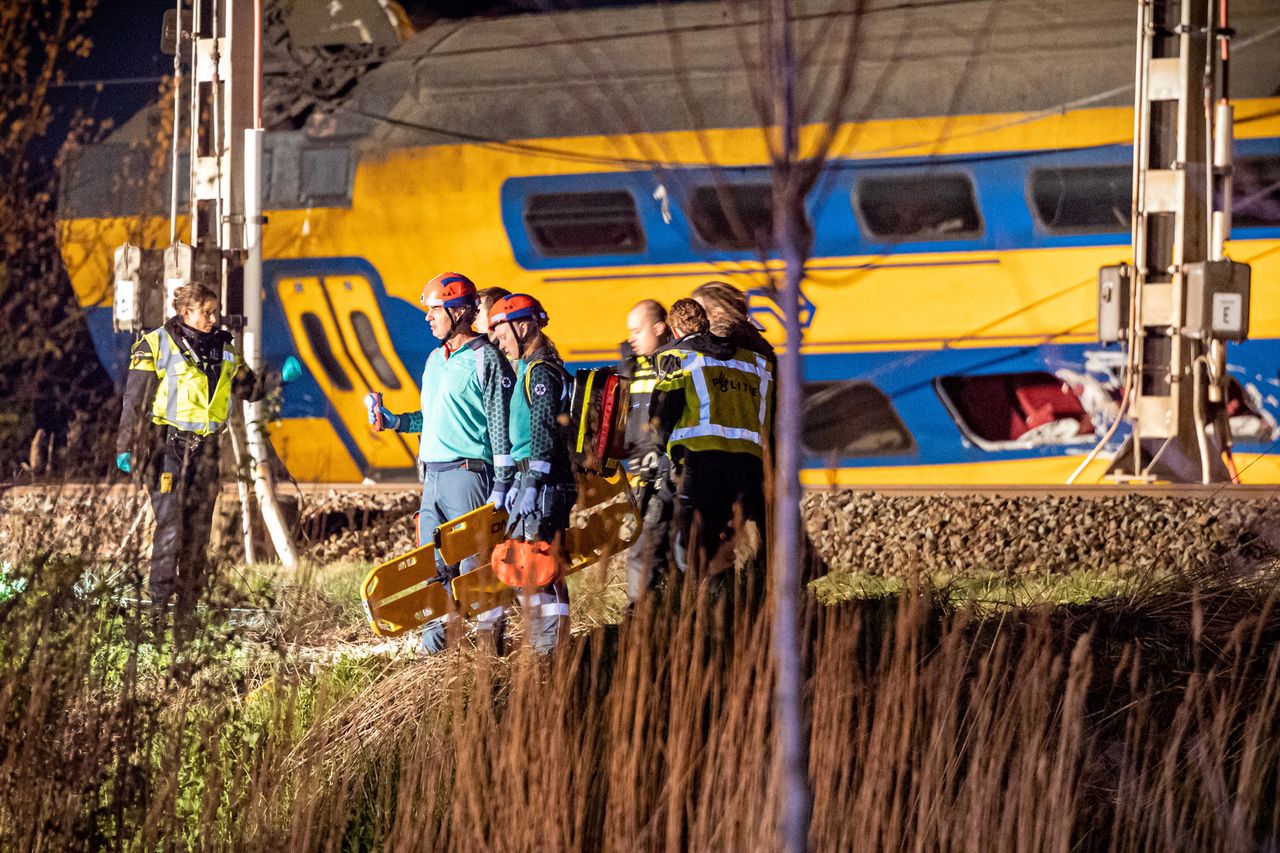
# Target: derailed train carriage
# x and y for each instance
(978, 178)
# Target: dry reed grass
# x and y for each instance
(1136, 722)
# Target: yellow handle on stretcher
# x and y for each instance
(404, 592)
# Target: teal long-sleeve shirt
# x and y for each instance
(466, 399)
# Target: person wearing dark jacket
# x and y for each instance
(713, 404)
(647, 462)
(187, 372)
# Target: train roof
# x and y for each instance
(691, 65)
(697, 65)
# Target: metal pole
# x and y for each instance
(177, 127)
(787, 550)
(193, 118)
(263, 481)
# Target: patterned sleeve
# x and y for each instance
(546, 390)
(498, 382)
(410, 422)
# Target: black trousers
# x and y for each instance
(650, 554)
(184, 486)
(714, 490)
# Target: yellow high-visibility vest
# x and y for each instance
(727, 402)
(644, 377)
(182, 398)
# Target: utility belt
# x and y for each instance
(475, 466)
(180, 439)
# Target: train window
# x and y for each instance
(86, 185)
(595, 223)
(326, 176)
(1255, 192)
(1015, 408)
(733, 216)
(319, 342)
(1082, 199)
(934, 206)
(1246, 414)
(368, 341)
(111, 180)
(854, 418)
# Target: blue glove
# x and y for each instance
(528, 501)
(498, 496)
(389, 420)
(509, 501)
(292, 369)
(124, 461)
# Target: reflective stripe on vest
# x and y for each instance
(182, 399)
(644, 377)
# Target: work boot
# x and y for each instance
(157, 622)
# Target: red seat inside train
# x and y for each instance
(1004, 407)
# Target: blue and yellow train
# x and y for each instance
(978, 175)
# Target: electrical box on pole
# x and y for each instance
(1179, 301)
(137, 304)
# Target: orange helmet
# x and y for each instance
(517, 306)
(449, 290)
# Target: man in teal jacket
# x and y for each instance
(465, 453)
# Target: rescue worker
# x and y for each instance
(539, 506)
(485, 297)
(464, 458)
(647, 461)
(713, 404)
(188, 370)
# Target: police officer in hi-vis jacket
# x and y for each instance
(713, 401)
(188, 370)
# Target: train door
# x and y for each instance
(341, 335)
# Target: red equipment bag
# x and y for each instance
(598, 419)
(519, 564)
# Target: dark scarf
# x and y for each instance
(203, 349)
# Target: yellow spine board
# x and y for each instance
(402, 593)
(480, 590)
(474, 533)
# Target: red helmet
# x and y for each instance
(449, 290)
(517, 306)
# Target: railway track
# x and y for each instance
(886, 530)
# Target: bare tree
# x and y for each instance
(775, 67)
